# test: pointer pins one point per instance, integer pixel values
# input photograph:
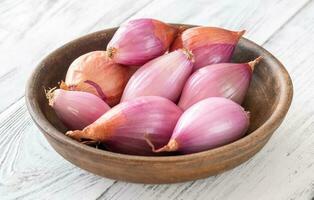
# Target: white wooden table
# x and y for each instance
(30, 29)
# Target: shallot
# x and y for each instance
(208, 124)
(76, 109)
(229, 80)
(209, 45)
(125, 127)
(139, 41)
(95, 73)
(164, 76)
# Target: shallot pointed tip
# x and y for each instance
(77, 134)
(241, 33)
(253, 63)
(171, 146)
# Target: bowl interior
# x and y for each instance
(261, 99)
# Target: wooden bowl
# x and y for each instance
(268, 100)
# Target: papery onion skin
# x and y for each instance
(209, 45)
(140, 40)
(208, 124)
(95, 73)
(125, 127)
(76, 109)
(164, 76)
(229, 80)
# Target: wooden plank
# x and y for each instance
(29, 30)
(39, 30)
(260, 18)
(30, 169)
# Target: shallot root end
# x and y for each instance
(63, 86)
(188, 54)
(49, 95)
(111, 51)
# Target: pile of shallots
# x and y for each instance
(157, 89)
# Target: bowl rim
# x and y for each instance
(265, 130)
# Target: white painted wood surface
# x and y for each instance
(31, 169)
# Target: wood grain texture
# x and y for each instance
(259, 17)
(283, 170)
(30, 169)
(34, 28)
(41, 26)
